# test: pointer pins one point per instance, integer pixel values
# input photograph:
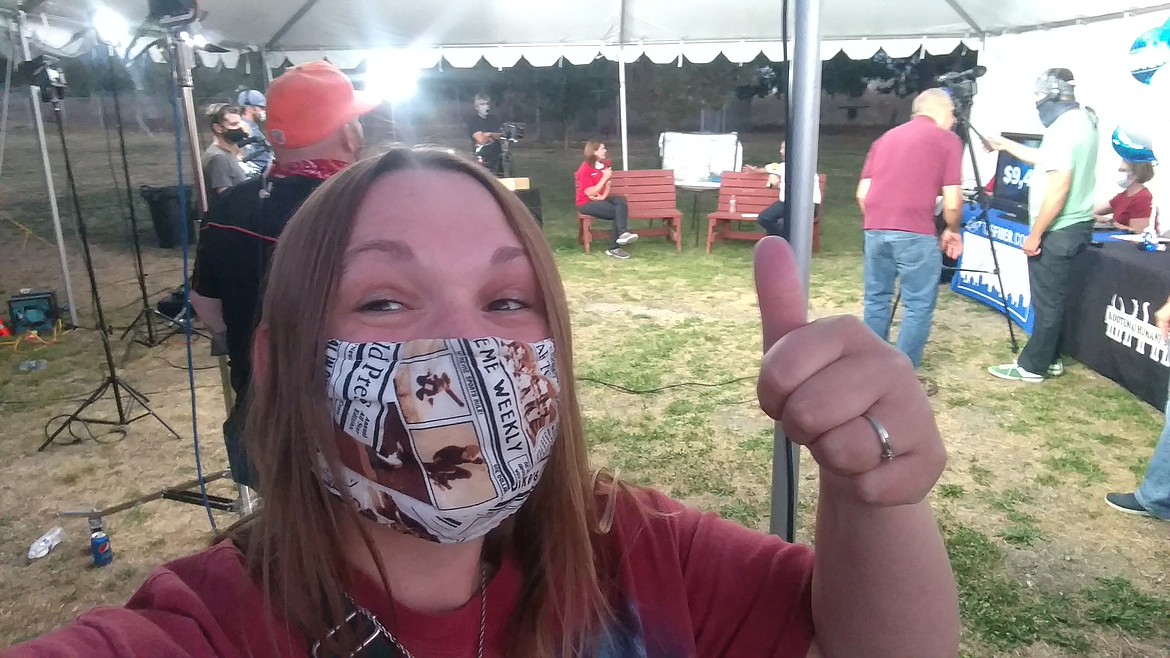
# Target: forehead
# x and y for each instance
(443, 214)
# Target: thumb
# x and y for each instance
(779, 290)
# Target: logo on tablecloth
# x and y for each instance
(1133, 329)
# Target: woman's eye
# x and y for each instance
(381, 306)
(507, 305)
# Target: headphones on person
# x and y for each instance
(1056, 84)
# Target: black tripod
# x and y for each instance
(963, 124)
(145, 328)
(112, 382)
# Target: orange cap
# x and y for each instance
(309, 102)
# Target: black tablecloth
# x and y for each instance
(1110, 324)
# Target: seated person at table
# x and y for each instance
(773, 218)
(594, 199)
(1131, 209)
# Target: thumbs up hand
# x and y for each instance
(829, 381)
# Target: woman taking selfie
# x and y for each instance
(420, 444)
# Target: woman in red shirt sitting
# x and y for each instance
(1131, 209)
(594, 199)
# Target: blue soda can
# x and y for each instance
(99, 545)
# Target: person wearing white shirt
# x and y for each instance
(774, 219)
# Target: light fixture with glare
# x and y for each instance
(393, 79)
(111, 28)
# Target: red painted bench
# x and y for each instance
(651, 197)
(752, 196)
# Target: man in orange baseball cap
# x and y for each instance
(313, 126)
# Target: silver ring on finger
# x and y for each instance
(882, 435)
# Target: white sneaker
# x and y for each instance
(1014, 373)
(627, 238)
(620, 254)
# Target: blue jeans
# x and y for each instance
(1154, 494)
(914, 260)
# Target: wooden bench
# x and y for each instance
(752, 196)
(651, 197)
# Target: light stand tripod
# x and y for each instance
(143, 326)
(53, 95)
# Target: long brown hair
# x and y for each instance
(291, 545)
(591, 151)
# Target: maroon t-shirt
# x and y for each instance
(694, 586)
(908, 167)
(1128, 208)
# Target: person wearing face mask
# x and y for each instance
(1060, 208)
(484, 129)
(428, 491)
(221, 160)
(257, 151)
(1131, 209)
(315, 133)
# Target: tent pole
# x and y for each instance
(625, 113)
(264, 67)
(39, 120)
(805, 86)
(182, 56)
(4, 113)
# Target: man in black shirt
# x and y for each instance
(313, 114)
(484, 129)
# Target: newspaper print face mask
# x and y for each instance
(441, 439)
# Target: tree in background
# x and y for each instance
(669, 97)
(565, 93)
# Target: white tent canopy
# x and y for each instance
(502, 31)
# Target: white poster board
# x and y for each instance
(699, 159)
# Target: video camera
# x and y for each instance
(961, 84)
(512, 132)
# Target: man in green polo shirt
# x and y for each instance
(1060, 206)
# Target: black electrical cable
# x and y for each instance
(651, 391)
(116, 430)
(179, 367)
(789, 462)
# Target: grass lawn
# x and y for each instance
(1044, 568)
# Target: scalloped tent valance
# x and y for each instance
(501, 32)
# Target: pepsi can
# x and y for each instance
(99, 545)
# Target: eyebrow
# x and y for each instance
(506, 254)
(401, 251)
(392, 248)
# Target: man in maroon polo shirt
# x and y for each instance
(905, 172)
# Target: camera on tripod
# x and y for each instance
(43, 72)
(512, 131)
(961, 85)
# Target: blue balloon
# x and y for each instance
(1131, 150)
(1149, 52)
